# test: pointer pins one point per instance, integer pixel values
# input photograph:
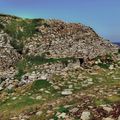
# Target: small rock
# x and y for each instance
(14, 98)
(90, 80)
(39, 113)
(66, 92)
(108, 118)
(56, 87)
(14, 118)
(38, 97)
(1, 88)
(62, 115)
(111, 67)
(86, 115)
(48, 92)
(10, 87)
(70, 86)
(43, 77)
(119, 118)
(74, 110)
(108, 109)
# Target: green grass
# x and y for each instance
(21, 65)
(99, 102)
(42, 60)
(19, 31)
(104, 65)
(38, 84)
(62, 109)
(18, 103)
(34, 90)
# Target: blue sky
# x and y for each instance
(102, 15)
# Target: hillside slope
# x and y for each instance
(53, 38)
(53, 70)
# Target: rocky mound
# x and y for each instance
(39, 38)
(49, 38)
(52, 70)
(60, 39)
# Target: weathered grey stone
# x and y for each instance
(1, 88)
(11, 86)
(62, 115)
(74, 110)
(38, 97)
(39, 113)
(108, 118)
(86, 115)
(66, 92)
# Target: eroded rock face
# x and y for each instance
(8, 55)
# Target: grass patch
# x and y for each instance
(104, 65)
(104, 101)
(62, 109)
(18, 103)
(21, 66)
(20, 29)
(38, 84)
(42, 60)
(114, 98)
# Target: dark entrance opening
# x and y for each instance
(81, 60)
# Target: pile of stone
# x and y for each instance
(60, 39)
(8, 55)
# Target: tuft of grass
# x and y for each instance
(42, 60)
(38, 84)
(62, 109)
(21, 65)
(104, 65)
(19, 31)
